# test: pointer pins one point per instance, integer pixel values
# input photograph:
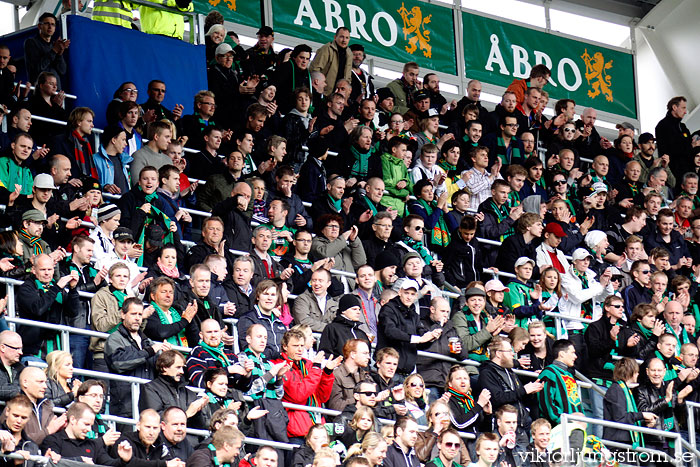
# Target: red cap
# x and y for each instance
(555, 228)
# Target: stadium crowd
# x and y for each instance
(351, 212)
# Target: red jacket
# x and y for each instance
(299, 389)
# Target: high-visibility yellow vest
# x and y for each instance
(162, 22)
(114, 12)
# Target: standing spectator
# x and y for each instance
(315, 307)
(112, 161)
(353, 370)
(479, 180)
(345, 248)
(154, 105)
(46, 300)
(307, 383)
(265, 312)
(293, 74)
(78, 144)
(344, 327)
(561, 393)
(332, 59)
(261, 57)
(129, 352)
(403, 88)
(42, 421)
(400, 327)
(153, 153)
(505, 387)
(674, 137)
(539, 76)
(40, 54)
(47, 102)
(362, 82)
(203, 112)
(15, 177)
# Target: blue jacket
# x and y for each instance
(105, 167)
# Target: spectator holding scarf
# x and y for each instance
(433, 213)
(167, 323)
(143, 208)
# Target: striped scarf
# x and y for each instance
(54, 342)
(86, 166)
(180, 338)
(450, 170)
(34, 242)
(418, 248)
(502, 214)
(262, 366)
(465, 401)
(153, 217)
(479, 353)
(312, 401)
(440, 235)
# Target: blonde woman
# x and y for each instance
(61, 388)
(362, 423)
(374, 448)
(416, 397)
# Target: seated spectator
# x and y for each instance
(427, 447)
(168, 388)
(154, 105)
(126, 92)
(643, 324)
(108, 218)
(239, 289)
(466, 413)
(282, 235)
(193, 125)
(173, 433)
(415, 397)
(15, 177)
(401, 452)
(548, 253)
(18, 412)
(511, 448)
(400, 327)
(153, 153)
(60, 385)
(47, 300)
(42, 421)
(561, 393)
(305, 383)
(427, 169)
(10, 354)
(265, 312)
(480, 180)
(315, 307)
(207, 160)
(523, 243)
(672, 316)
(362, 423)
(72, 442)
(620, 406)
(47, 102)
(129, 352)
(218, 186)
(210, 354)
(345, 248)
(227, 442)
(352, 371)
(166, 323)
(212, 243)
(345, 326)
(669, 239)
(265, 267)
(361, 160)
(92, 392)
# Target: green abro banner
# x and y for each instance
(245, 12)
(497, 52)
(404, 31)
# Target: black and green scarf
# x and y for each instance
(153, 217)
(180, 338)
(502, 214)
(360, 166)
(440, 235)
(479, 354)
(419, 248)
(218, 353)
(637, 438)
(262, 366)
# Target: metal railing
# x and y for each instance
(676, 460)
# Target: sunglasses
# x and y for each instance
(569, 130)
(616, 306)
(646, 271)
(416, 385)
(451, 445)
(368, 393)
(559, 182)
(419, 228)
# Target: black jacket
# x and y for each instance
(42, 306)
(237, 230)
(75, 449)
(646, 346)
(395, 457)
(336, 333)
(600, 347)
(396, 324)
(649, 398)
(373, 246)
(275, 331)
(513, 248)
(198, 253)
(674, 139)
(491, 229)
(434, 371)
(463, 261)
(8, 389)
(615, 410)
(243, 302)
(155, 456)
(159, 331)
(505, 388)
(86, 283)
(297, 135)
(164, 392)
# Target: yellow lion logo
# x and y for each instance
(230, 4)
(596, 72)
(414, 23)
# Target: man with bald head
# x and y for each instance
(68, 199)
(237, 230)
(673, 315)
(32, 381)
(44, 299)
(210, 354)
(146, 444)
(364, 208)
(588, 144)
(10, 354)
